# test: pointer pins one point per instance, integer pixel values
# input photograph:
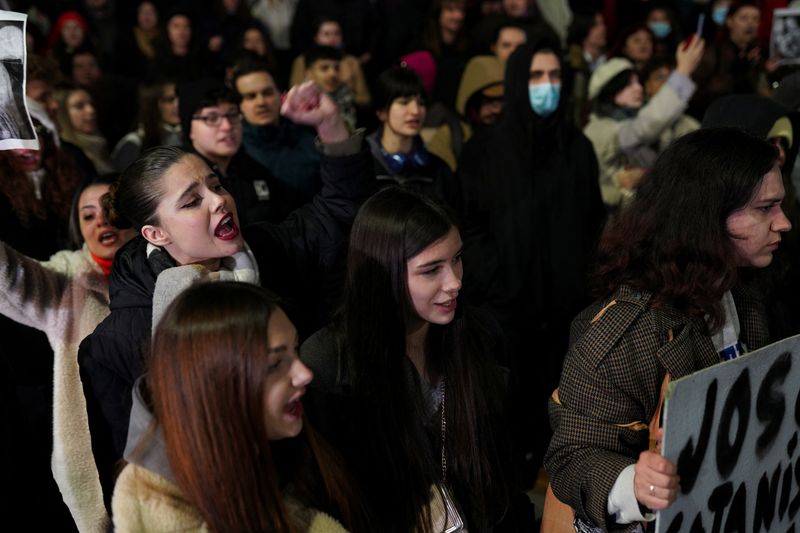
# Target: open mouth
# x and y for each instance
(227, 228)
(108, 238)
(294, 408)
(448, 305)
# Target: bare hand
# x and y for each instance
(772, 64)
(629, 178)
(307, 104)
(688, 57)
(655, 481)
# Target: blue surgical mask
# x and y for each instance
(719, 14)
(660, 29)
(544, 97)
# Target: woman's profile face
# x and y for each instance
(755, 229)
(631, 96)
(434, 279)
(197, 219)
(286, 380)
(80, 109)
(168, 105)
(102, 239)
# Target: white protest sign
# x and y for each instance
(732, 429)
(16, 128)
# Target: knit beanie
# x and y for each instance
(423, 63)
(607, 72)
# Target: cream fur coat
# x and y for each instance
(65, 297)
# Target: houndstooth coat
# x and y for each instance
(610, 389)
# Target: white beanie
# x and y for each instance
(605, 73)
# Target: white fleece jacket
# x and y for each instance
(66, 298)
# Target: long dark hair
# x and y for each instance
(75, 236)
(207, 376)
(672, 240)
(150, 113)
(399, 437)
(62, 177)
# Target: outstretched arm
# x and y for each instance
(33, 293)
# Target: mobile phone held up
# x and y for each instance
(698, 34)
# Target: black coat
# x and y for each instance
(434, 178)
(531, 213)
(301, 259)
(260, 196)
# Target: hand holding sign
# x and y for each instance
(656, 481)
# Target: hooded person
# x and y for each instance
(531, 213)
(788, 95)
(777, 124)
(479, 102)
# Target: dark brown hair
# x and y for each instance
(672, 240)
(393, 226)
(207, 377)
(62, 178)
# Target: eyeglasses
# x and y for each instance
(213, 120)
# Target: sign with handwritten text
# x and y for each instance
(733, 431)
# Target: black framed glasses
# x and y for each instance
(214, 120)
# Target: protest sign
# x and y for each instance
(16, 128)
(732, 429)
(784, 44)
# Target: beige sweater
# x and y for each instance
(145, 501)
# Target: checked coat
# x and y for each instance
(610, 387)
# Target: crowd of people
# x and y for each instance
(369, 265)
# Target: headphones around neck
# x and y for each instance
(398, 162)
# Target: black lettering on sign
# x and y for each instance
(691, 458)
(697, 525)
(737, 515)
(738, 401)
(786, 489)
(676, 524)
(797, 409)
(792, 446)
(718, 501)
(795, 505)
(770, 404)
(766, 496)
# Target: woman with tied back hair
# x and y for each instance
(65, 297)
(670, 271)
(189, 230)
(218, 440)
(408, 390)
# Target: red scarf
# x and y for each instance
(104, 264)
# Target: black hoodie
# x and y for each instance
(532, 213)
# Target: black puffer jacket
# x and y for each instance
(301, 259)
